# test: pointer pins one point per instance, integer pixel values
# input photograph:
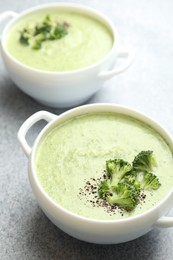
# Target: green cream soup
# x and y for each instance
(70, 161)
(85, 42)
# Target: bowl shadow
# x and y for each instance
(52, 243)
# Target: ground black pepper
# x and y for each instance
(90, 192)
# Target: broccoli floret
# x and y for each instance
(104, 189)
(124, 196)
(125, 181)
(121, 194)
(131, 179)
(47, 30)
(144, 161)
(149, 181)
(117, 169)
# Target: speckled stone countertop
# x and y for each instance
(25, 232)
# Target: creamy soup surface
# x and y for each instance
(87, 41)
(75, 152)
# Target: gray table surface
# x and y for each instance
(25, 232)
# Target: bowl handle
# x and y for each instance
(164, 222)
(122, 53)
(28, 124)
(6, 15)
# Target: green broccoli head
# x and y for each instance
(125, 181)
(132, 180)
(149, 181)
(104, 189)
(144, 161)
(117, 169)
(124, 196)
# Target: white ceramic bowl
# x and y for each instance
(90, 230)
(63, 89)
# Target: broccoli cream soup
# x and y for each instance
(59, 40)
(71, 165)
